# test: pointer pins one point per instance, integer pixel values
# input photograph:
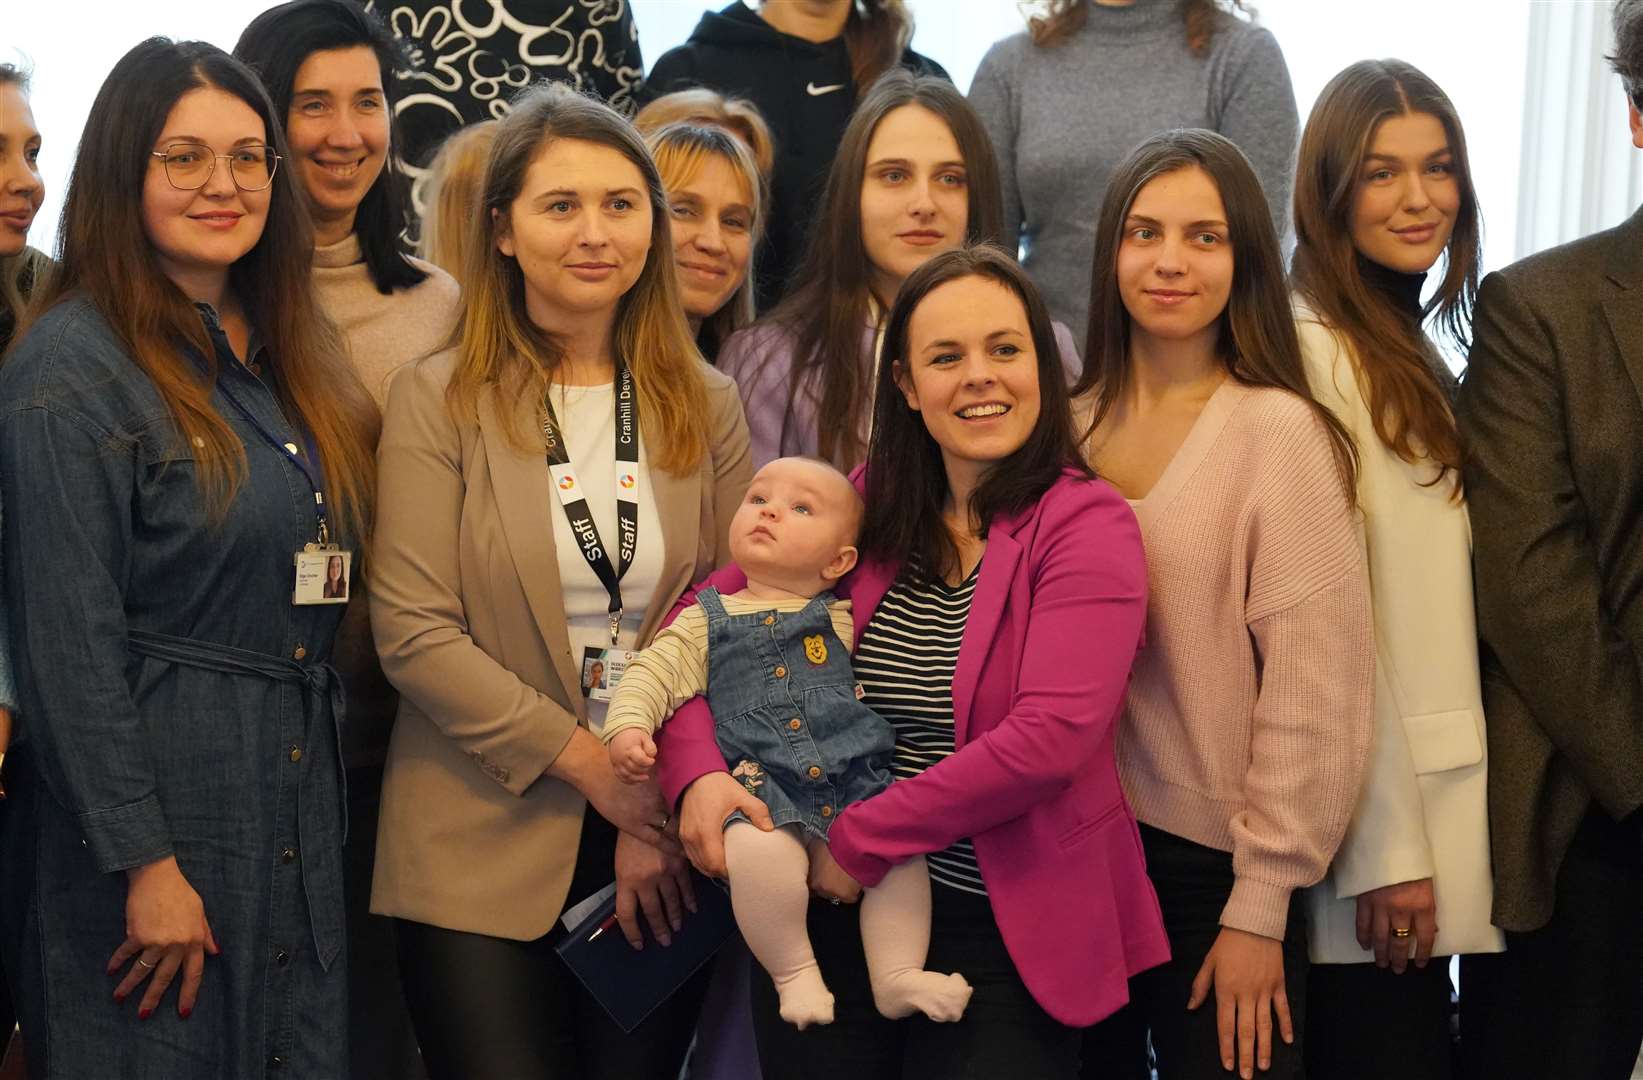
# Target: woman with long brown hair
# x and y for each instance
(1066, 99)
(803, 64)
(178, 424)
(1383, 192)
(915, 176)
(550, 485)
(1248, 716)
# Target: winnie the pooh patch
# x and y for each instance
(750, 774)
(815, 649)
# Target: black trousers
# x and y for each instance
(486, 1007)
(1566, 1000)
(1367, 1023)
(1004, 1033)
(381, 1043)
(1193, 883)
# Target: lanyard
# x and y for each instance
(575, 504)
(311, 471)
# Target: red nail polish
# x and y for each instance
(119, 998)
(144, 1013)
(185, 1013)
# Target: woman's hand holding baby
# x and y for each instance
(632, 755)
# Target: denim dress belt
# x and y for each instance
(321, 839)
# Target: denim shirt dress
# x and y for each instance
(786, 715)
(173, 700)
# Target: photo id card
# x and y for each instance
(601, 670)
(322, 577)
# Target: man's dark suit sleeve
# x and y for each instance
(1541, 608)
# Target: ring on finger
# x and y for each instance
(1401, 932)
(666, 817)
(145, 963)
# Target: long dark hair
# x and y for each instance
(275, 46)
(906, 481)
(1410, 411)
(106, 257)
(1256, 340)
(827, 309)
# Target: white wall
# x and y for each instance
(1475, 49)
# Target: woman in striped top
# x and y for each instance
(999, 603)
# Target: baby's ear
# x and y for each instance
(842, 564)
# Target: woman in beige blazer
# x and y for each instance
(489, 606)
(1382, 193)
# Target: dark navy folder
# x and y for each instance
(631, 983)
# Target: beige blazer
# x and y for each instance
(469, 621)
(1423, 811)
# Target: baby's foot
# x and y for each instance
(940, 997)
(805, 999)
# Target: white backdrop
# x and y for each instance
(1476, 49)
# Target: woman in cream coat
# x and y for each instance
(499, 804)
(1382, 192)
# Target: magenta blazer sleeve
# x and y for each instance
(685, 745)
(1080, 582)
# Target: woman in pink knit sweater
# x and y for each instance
(1248, 719)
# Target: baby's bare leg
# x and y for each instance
(770, 895)
(895, 931)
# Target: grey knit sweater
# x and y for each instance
(1061, 118)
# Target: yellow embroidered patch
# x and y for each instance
(815, 649)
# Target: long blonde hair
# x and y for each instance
(453, 181)
(680, 150)
(500, 351)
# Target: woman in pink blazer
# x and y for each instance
(998, 606)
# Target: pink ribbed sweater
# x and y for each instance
(1250, 709)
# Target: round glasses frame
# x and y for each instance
(166, 155)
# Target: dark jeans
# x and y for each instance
(1004, 1033)
(381, 1043)
(1367, 1023)
(488, 1007)
(1193, 883)
(1566, 1000)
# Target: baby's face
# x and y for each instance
(797, 517)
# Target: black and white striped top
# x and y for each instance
(905, 665)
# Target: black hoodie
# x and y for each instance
(806, 95)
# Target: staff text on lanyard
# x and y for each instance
(575, 503)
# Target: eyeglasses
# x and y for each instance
(189, 165)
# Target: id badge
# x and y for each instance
(324, 576)
(601, 670)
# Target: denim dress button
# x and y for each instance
(795, 724)
(296, 753)
(815, 772)
(781, 672)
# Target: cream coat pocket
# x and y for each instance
(1442, 741)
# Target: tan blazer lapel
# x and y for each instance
(679, 506)
(524, 501)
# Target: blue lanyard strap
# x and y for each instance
(311, 468)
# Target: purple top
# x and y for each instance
(760, 359)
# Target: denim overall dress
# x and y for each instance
(785, 712)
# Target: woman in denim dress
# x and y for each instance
(173, 904)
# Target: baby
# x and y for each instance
(776, 671)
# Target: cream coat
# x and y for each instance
(1423, 811)
(467, 610)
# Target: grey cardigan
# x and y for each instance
(1061, 118)
(1551, 410)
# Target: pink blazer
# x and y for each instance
(1042, 671)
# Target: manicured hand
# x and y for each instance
(632, 755)
(708, 800)
(654, 882)
(1409, 905)
(1246, 971)
(166, 932)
